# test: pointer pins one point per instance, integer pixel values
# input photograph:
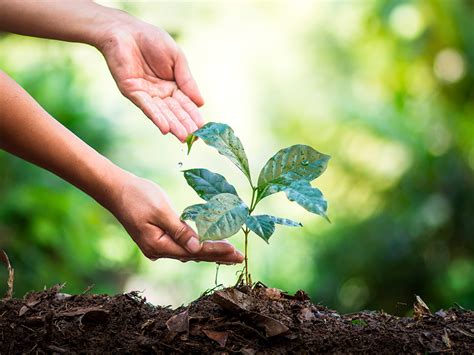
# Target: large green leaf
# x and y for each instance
(298, 162)
(264, 225)
(307, 197)
(221, 217)
(222, 137)
(208, 184)
(261, 225)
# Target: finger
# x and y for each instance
(190, 107)
(182, 115)
(226, 252)
(222, 252)
(185, 80)
(181, 233)
(149, 108)
(176, 128)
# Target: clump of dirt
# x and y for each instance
(231, 320)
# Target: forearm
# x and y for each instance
(68, 20)
(28, 131)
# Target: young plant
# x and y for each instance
(290, 170)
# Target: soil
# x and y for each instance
(233, 320)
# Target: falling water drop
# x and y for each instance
(180, 164)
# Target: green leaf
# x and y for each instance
(191, 212)
(208, 184)
(307, 197)
(285, 222)
(189, 141)
(221, 217)
(222, 137)
(262, 225)
(298, 162)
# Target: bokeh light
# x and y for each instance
(449, 65)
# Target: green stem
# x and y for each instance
(246, 231)
(253, 202)
(246, 268)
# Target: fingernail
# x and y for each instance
(193, 245)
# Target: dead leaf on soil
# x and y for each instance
(11, 274)
(87, 315)
(420, 309)
(233, 300)
(271, 326)
(219, 337)
(236, 301)
(179, 323)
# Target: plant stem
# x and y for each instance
(253, 202)
(246, 268)
(246, 231)
(217, 273)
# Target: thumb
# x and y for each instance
(180, 232)
(185, 80)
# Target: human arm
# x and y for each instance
(28, 131)
(147, 65)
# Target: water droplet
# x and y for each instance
(305, 162)
(180, 164)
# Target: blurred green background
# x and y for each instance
(385, 87)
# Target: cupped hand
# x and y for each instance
(152, 71)
(146, 213)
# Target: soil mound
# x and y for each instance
(232, 320)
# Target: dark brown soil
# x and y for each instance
(244, 320)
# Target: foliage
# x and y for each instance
(402, 130)
(290, 170)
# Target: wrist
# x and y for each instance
(111, 25)
(112, 181)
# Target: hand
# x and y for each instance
(151, 70)
(145, 212)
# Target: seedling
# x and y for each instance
(290, 170)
